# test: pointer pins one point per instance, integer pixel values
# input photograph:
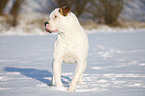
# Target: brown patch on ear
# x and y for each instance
(64, 11)
(60, 11)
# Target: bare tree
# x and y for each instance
(61, 3)
(80, 6)
(3, 4)
(106, 10)
(15, 11)
(77, 6)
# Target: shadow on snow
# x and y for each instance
(36, 74)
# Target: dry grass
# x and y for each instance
(27, 23)
(90, 24)
(133, 24)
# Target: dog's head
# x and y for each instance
(59, 20)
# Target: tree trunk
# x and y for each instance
(15, 11)
(3, 4)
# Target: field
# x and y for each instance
(116, 65)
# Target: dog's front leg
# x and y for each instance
(78, 73)
(81, 77)
(57, 73)
(52, 81)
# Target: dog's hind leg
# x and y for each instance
(78, 73)
(81, 77)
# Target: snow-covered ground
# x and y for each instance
(116, 65)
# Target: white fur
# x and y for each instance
(71, 46)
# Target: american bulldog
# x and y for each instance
(71, 45)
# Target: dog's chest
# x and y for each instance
(69, 43)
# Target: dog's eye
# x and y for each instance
(55, 16)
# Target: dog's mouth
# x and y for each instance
(48, 30)
(46, 24)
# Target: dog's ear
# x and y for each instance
(64, 11)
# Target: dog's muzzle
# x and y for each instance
(45, 23)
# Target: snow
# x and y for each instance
(116, 65)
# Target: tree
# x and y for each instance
(15, 10)
(3, 4)
(77, 6)
(106, 10)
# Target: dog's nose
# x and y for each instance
(45, 23)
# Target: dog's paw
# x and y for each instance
(71, 88)
(59, 85)
(62, 88)
(52, 83)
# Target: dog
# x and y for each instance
(71, 45)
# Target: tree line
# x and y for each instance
(14, 10)
(104, 11)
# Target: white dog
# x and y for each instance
(71, 45)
